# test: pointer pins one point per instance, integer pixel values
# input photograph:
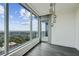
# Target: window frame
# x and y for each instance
(6, 28)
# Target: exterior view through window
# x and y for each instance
(19, 26)
(34, 27)
(1, 29)
(43, 29)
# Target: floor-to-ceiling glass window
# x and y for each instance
(1, 28)
(34, 26)
(19, 26)
(44, 31)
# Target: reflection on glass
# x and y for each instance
(19, 26)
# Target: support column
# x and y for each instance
(49, 30)
(30, 26)
(39, 27)
(6, 27)
(46, 28)
(52, 22)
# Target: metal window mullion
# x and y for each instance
(30, 26)
(6, 29)
(39, 28)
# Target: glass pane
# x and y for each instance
(34, 27)
(43, 29)
(1, 29)
(19, 26)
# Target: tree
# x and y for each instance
(1, 43)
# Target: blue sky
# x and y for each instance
(18, 18)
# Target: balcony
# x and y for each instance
(54, 26)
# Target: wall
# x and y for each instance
(66, 29)
(63, 32)
(77, 29)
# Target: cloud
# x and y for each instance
(24, 13)
(11, 16)
(1, 10)
(16, 12)
(25, 23)
(2, 16)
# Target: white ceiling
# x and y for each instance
(43, 8)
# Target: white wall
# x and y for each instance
(77, 29)
(63, 32)
(66, 29)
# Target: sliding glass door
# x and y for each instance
(44, 31)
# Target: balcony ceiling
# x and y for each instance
(43, 8)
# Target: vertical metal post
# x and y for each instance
(30, 26)
(39, 28)
(6, 29)
(38, 25)
(46, 28)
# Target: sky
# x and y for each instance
(19, 19)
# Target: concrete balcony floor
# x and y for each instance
(45, 49)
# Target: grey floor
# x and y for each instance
(45, 49)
